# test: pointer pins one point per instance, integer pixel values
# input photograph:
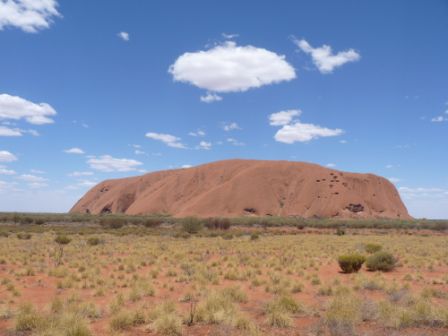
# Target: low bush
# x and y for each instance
(351, 263)
(254, 236)
(340, 231)
(62, 240)
(373, 248)
(113, 222)
(152, 222)
(93, 241)
(217, 223)
(381, 261)
(24, 236)
(191, 225)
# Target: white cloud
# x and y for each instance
(411, 192)
(28, 15)
(426, 202)
(16, 108)
(235, 142)
(5, 171)
(230, 126)
(205, 145)
(229, 36)
(87, 183)
(74, 150)
(331, 165)
(394, 179)
(198, 133)
(36, 171)
(80, 173)
(185, 166)
(6, 156)
(34, 181)
(323, 57)
(296, 131)
(210, 98)
(139, 152)
(302, 132)
(283, 117)
(231, 68)
(10, 132)
(107, 163)
(167, 139)
(15, 132)
(439, 119)
(32, 178)
(124, 36)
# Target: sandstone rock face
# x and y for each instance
(234, 188)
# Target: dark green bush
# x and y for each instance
(113, 222)
(381, 261)
(26, 220)
(39, 221)
(351, 263)
(340, 231)
(191, 225)
(217, 223)
(372, 248)
(152, 222)
(93, 241)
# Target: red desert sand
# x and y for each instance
(234, 188)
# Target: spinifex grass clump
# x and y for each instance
(351, 263)
(381, 261)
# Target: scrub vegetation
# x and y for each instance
(73, 275)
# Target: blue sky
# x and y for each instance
(91, 90)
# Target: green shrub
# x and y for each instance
(381, 261)
(217, 223)
(26, 220)
(351, 263)
(62, 240)
(340, 231)
(372, 248)
(152, 222)
(191, 225)
(113, 222)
